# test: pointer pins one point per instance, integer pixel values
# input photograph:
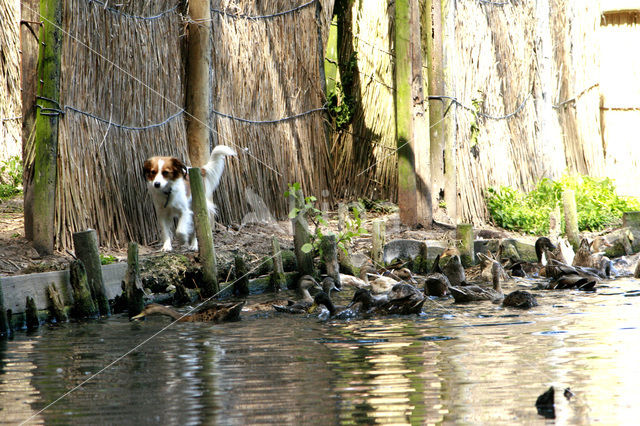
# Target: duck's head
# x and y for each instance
(542, 244)
(329, 285)
(150, 309)
(323, 299)
(307, 281)
(362, 296)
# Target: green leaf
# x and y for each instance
(306, 248)
(293, 213)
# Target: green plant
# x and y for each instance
(10, 177)
(305, 207)
(107, 259)
(341, 104)
(597, 203)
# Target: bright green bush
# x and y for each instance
(10, 177)
(597, 203)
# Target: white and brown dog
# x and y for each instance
(167, 180)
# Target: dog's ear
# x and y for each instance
(179, 167)
(146, 168)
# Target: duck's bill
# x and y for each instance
(137, 317)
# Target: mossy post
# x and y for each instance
(198, 92)
(86, 249)
(343, 211)
(464, 234)
(241, 283)
(5, 329)
(407, 199)
(47, 118)
(301, 236)
(449, 122)
(571, 217)
(377, 243)
(277, 279)
(31, 314)
(83, 305)
(132, 281)
(56, 305)
(329, 250)
(206, 251)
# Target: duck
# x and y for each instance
(519, 299)
(523, 268)
(454, 271)
(305, 303)
(588, 257)
(402, 299)
(565, 276)
(473, 293)
(208, 312)
(323, 299)
(436, 283)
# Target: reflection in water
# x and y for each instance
(475, 364)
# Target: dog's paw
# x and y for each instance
(194, 245)
(167, 246)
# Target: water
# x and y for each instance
(471, 364)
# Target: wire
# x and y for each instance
(273, 15)
(127, 15)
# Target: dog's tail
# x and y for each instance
(213, 170)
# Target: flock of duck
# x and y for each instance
(397, 291)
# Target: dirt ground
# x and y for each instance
(17, 255)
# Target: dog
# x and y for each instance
(168, 184)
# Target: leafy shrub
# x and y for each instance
(10, 177)
(597, 203)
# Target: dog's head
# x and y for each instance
(160, 172)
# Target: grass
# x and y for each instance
(10, 177)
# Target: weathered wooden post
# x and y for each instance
(377, 242)
(241, 283)
(86, 249)
(329, 250)
(5, 329)
(132, 282)
(301, 235)
(206, 250)
(198, 91)
(46, 134)
(31, 314)
(631, 220)
(449, 124)
(407, 199)
(56, 305)
(464, 234)
(83, 305)
(343, 211)
(571, 217)
(277, 280)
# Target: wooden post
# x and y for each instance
(464, 234)
(301, 236)
(132, 282)
(571, 217)
(86, 249)
(241, 283)
(31, 314)
(449, 72)
(343, 211)
(277, 279)
(377, 243)
(56, 305)
(631, 220)
(329, 249)
(407, 199)
(5, 329)
(206, 250)
(198, 90)
(46, 134)
(432, 35)
(420, 122)
(83, 305)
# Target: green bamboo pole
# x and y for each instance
(87, 250)
(203, 233)
(449, 120)
(407, 201)
(198, 90)
(46, 134)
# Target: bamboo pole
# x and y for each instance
(571, 217)
(83, 305)
(241, 283)
(329, 249)
(56, 305)
(46, 134)
(377, 243)
(464, 234)
(206, 250)
(407, 199)
(449, 121)
(277, 279)
(198, 93)
(86, 249)
(420, 122)
(301, 235)
(31, 314)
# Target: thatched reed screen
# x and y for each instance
(268, 100)
(123, 70)
(10, 95)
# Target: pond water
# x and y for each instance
(456, 364)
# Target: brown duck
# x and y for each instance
(209, 312)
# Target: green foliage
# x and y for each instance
(597, 203)
(10, 177)
(306, 208)
(341, 103)
(107, 259)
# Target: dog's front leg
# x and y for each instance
(185, 231)
(166, 235)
